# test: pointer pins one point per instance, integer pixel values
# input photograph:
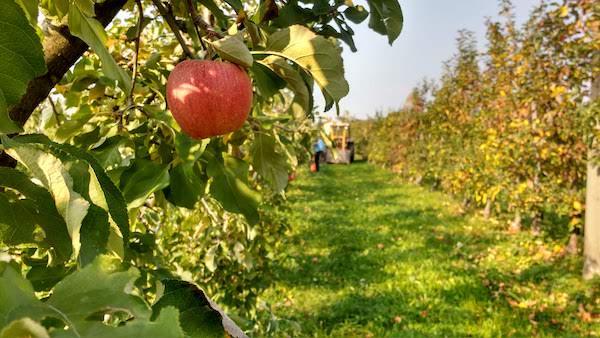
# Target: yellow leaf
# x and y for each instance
(557, 90)
(564, 11)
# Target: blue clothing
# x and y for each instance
(319, 146)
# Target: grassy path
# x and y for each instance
(368, 256)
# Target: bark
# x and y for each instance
(536, 222)
(61, 51)
(591, 245)
(487, 212)
(515, 225)
(573, 246)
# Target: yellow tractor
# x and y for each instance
(341, 148)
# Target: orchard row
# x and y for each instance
(506, 130)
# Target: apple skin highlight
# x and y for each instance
(209, 98)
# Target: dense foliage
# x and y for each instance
(506, 130)
(106, 206)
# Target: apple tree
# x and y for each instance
(513, 130)
(112, 217)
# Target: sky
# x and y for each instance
(381, 76)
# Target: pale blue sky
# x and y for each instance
(381, 76)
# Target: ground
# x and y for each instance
(370, 256)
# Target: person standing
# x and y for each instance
(319, 148)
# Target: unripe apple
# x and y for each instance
(209, 98)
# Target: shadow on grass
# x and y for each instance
(351, 225)
(369, 256)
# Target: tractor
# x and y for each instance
(341, 149)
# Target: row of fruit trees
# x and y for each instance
(509, 130)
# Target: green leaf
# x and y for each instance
(200, 316)
(235, 4)
(54, 177)
(41, 205)
(94, 288)
(85, 6)
(232, 48)
(103, 192)
(21, 59)
(43, 278)
(356, 14)
(58, 8)
(92, 33)
(25, 328)
(83, 300)
(267, 82)
(269, 164)
(108, 153)
(16, 222)
(143, 178)
(230, 186)
(15, 293)
(293, 78)
(95, 226)
(345, 34)
(189, 149)
(94, 234)
(30, 7)
(322, 7)
(293, 14)
(74, 125)
(386, 18)
(186, 185)
(316, 55)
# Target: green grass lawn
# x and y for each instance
(370, 256)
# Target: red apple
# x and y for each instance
(209, 98)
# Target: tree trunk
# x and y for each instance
(573, 246)
(515, 225)
(487, 212)
(591, 246)
(536, 223)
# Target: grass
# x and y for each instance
(370, 256)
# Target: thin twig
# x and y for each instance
(193, 14)
(206, 29)
(137, 49)
(54, 111)
(166, 14)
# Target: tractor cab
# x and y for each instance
(342, 144)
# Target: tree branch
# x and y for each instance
(166, 14)
(137, 48)
(206, 29)
(61, 51)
